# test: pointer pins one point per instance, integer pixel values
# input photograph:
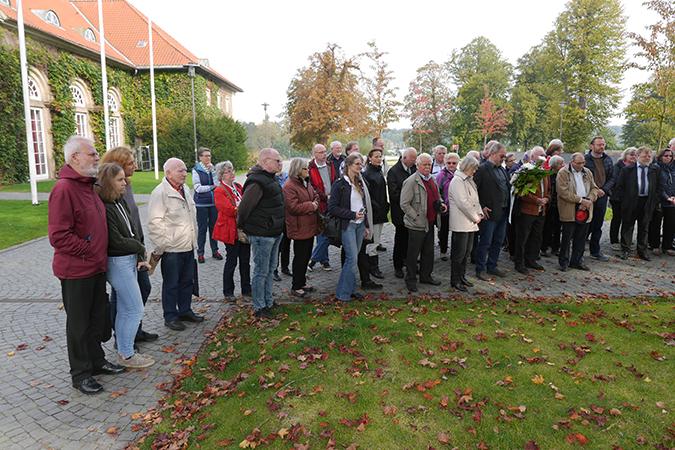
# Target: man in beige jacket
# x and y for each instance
(173, 230)
(576, 193)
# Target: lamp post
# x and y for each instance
(191, 74)
(562, 108)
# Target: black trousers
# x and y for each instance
(575, 234)
(241, 253)
(302, 251)
(284, 251)
(443, 233)
(420, 246)
(529, 231)
(615, 223)
(400, 246)
(552, 230)
(460, 249)
(627, 227)
(668, 228)
(85, 302)
(654, 234)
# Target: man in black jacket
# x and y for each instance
(494, 190)
(395, 178)
(602, 167)
(639, 190)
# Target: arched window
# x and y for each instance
(114, 119)
(51, 17)
(38, 92)
(89, 35)
(219, 99)
(81, 103)
(33, 89)
(78, 96)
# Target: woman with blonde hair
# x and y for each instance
(124, 157)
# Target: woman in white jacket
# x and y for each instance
(465, 214)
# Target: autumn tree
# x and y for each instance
(651, 106)
(324, 98)
(491, 119)
(428, 103)
(380, 95)
(475, 66)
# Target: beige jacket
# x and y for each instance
(567, 193)
(172, 219)
(464, 204)
(414, 203)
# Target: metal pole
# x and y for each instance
(191, 72)
(104, 76)
(26, 104)
(152, 99)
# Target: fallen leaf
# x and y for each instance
(168, 349)
(21, 347)
(538, 379)
(531, 445)
(282, 432)
(112, 431)
(443, 438)
(63, 402)
(10, 354)
(578, 438)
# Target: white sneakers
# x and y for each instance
(136, 361)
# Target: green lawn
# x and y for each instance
(21, 221)
(143, 183)
(430, 373)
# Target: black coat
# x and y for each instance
(120, 240)
(488, 190)
(377, 186)
(340, 202)
(395, 178)
(626, 188)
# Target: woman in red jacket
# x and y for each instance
(301, 204)
(227, 197)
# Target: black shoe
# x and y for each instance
(562, 268)
(357, 296)
(174, 325)
(624, 255)
(191, 317)
(466, 282)
(398, 273)
(311, 265)
(370, 284)
(263, 313)
(276, 276)
(644, 257)
(144, 336)
(375, 271)
(381, 248)
(535, 266)
(430, 281)
(88, 386)
(581, 266)
(497, 272)
(522, 269)
(459, 286)
(412, 287)
(246, 294)
(285, 271)
(217, 256)
(108, 369)
(482, 276)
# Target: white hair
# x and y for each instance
(440, 147)
(171, 163)
(221, 167)
(335, 144)
(318, 147)
(467, 163)
(474, 154)
(493, 147)
(556, 142)
(74, 145)
(555, 161)
(422, 156)
(671, 144)
(451, 155)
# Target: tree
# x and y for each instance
(380, 96)
(476, 65)
(428, 103)
(491, 120)
(658, 53)
(324, 98)
(647, 122)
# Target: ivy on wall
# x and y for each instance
(172, 91)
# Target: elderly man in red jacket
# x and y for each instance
(79, 234)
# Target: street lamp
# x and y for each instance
(562, 107)
(191, 74)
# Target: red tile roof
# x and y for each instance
(126, 33)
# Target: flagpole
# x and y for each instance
(26, 103)
(104, 76)
(152, 99)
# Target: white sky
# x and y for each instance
(259, 45)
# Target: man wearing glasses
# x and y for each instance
(261, 217)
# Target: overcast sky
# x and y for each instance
(259, 45)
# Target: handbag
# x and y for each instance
(332, 230)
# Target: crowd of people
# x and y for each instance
(468, 205)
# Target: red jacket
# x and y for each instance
(226, 204)
(78, 230)
(317, 183)
(302, 220)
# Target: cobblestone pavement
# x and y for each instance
(39, 408)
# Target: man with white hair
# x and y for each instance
(395, 178)
(172, 227)
(261, 215)
(336, 157)
(322, 176)
(671, 144)
(439, 159)
(78, 231)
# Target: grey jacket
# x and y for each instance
(414, 203)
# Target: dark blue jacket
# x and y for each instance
(610, 176)
(667, 180)
(340, 202)
(203, 199)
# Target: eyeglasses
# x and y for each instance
(667, 156)
(92, 154)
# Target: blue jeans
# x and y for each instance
(595, 227)
(265, 258)
(145, 287)
(122, 277)
(352, 238)
(178, 271)
(490, 241)
(320, 253)
(206, 218)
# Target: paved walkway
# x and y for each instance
(39, 408)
